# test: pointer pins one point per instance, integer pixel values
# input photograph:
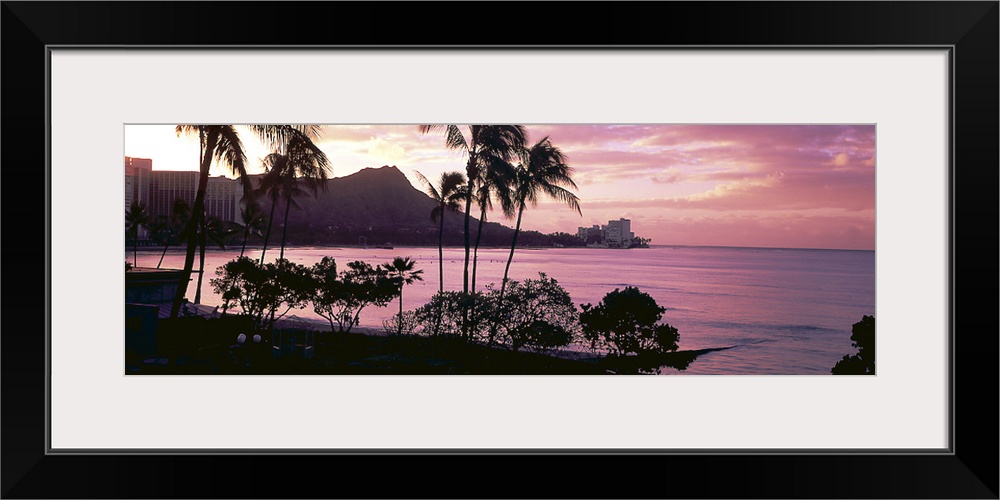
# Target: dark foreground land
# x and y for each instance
(196, 346)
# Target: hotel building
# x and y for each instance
(616, 233)
(159, 188)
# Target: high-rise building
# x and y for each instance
(618, 232)
(129, 190)
(138, 175)
(222, 198)
(586, 233)
(158, 189)
(167, 186)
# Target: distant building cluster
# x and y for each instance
(158, 189)
(615, 234)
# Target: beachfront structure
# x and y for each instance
(129, 185)
(585, 233)
(168, 186)
(159, 188)
(222, 198)
(616, 233)
(138, 175)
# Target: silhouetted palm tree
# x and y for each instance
(542, 170)
(136, 217)
(401, 269)
(300, 160)
(161, 233)
(173, 228)
(221, 143)
(495, 183)
(484, 145)
(254, 221)
(448, 193)
(212, 229)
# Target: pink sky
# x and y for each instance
(788, 186)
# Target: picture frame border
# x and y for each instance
(31, 30)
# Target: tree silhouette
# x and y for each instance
(862, 363)
(495, 182)
(298, 159)
(161, 233)
(254, 221)
(136, 217)
(212, 229)
(542, 169)
(222, 144)
(402, 273)
(447, 193)
(483, 145)
(626, 321)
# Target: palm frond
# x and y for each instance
(450, 182)
(453, 137)
(455, 140)
(563, 195)
(431, 190)
(308, 161)
(182, 130)
(229, 151)
(503, 141)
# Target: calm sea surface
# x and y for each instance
(786, 311)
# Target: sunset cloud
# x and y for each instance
(380, 148)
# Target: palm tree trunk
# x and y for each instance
(201, 260)
(399, 319)
(284, 228)
(468, 208)
(135, 249)
(475, 255)
(441, 249)
(267, 237)
(246, 235)
(506, 269)
(192, 243)
(510, 258)
(162, 255)
(465, 276)
(282, 255)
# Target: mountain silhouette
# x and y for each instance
(381, 206)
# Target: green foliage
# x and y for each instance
(340, 298)
(259, 289)
(625, 321)
(862, 363)
(537, 314)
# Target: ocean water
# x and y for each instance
(784, 311)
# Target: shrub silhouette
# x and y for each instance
(260, 289)
(862, 363)
(340, 297)
(625, 321)
(537, 314)
(455, 314)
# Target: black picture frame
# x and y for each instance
(969, 28)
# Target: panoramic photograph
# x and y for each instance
(539, 249)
